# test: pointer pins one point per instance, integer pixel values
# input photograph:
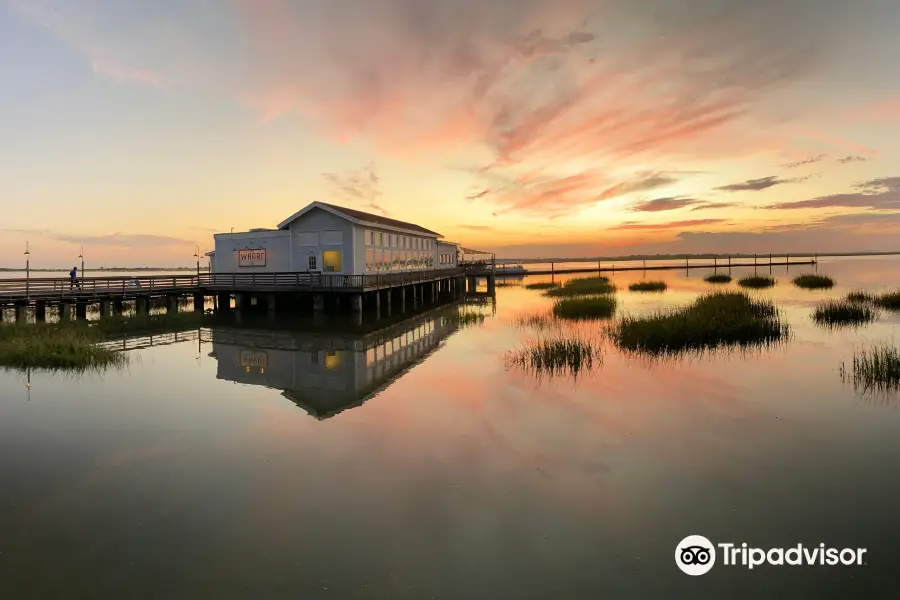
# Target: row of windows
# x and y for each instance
(447, 259)
(394, 240)
(405, 340)
(397, 260)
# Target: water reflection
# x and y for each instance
(325, 374)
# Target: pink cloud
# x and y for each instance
(124, 73)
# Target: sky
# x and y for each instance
(136, 129)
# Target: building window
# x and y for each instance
(380, 238)
(369, 237)
(333, 360)
(370, 259)
(312, 262)
(332, 261)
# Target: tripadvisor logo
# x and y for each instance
(696, 555)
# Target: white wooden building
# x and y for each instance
(324, 238)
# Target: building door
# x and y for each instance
(313, 263)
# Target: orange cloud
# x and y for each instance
(537, 88)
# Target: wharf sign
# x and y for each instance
(252, 258)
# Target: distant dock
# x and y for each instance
(715, 263)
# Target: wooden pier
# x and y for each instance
(243, 291)
(725, 262)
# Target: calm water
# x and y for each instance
(238, 463)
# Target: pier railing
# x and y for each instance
(62, 288)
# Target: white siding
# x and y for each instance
(306, 238)
(332, 238)
(448, 252)
(276, 244)
(324, 227)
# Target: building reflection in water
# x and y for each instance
(328, 373)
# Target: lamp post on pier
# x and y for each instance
(197, 256)
(27, 272)
(81, 256)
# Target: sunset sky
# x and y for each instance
(138, 128)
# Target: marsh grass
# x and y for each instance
(544, 285)
(876, 368)
(538, 321)
(648, 286)
(712, 321)
(843, 313)
(51, 346)
(861, 297)
(582, 287)
(503, 284)
(888, 301)
(73, 345)
(585, 307)
(811, 281)
(717, 278)
(756, 282)
(557, 355)
(468, 318)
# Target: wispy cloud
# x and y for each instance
(476, 227)
(670, 225)
(119, 240)
(851, 159)
(568, 99)
(806, 161)
(360, 187)
(715, 205)
(552, 196)
(881, 194)
(757, 185)
(664, 204)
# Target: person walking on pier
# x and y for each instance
(73, 278)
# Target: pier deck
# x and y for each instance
(47, 290)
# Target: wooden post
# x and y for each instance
(729, 261)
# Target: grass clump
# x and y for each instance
(814, 282)
(648, 286)
(556, 356)
(592, 307)
(756, 282)
(889, 300)
(717, 278)
(875, 368)
(544, 285)
(538, 321)
(861, 297)
(713, 320)
(840, 313)
(51, 346)
(583, 287)
(468, 318)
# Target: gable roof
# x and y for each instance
(359, 217)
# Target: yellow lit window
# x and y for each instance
(331, 259)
